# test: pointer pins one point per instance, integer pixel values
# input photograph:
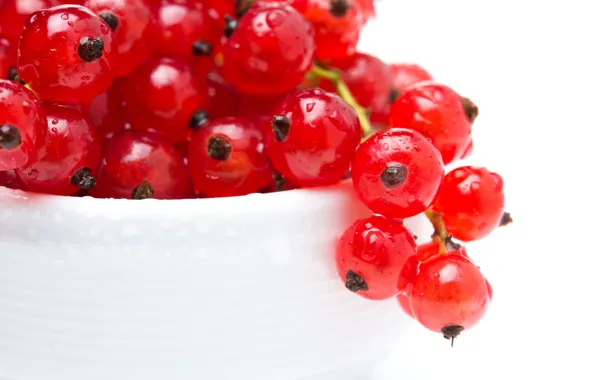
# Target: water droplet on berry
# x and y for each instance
(54, 122)
(310, 107)
(276, 18)
(54, 130)
(64, 16)
(33, 173)
(33, 19)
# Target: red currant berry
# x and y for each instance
(133, 30)
(70, 154)
(162, 96)
(397, 173)
(437, 112)
(270, 50)
(224, 100)
(14, 13)
(313, 137)
(186, 31)
(227, 158)
(139, 165)
(450, 295)
(64, 54)
(404, 75)
(369, 80)
(108, 111)
(7, 60)
(9, 179)
(371, 255)
(471, 201)
(22, 126)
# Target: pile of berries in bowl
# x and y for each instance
(179, 99)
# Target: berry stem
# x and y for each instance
(440, 229)
(344, 92)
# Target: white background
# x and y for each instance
(529, 66)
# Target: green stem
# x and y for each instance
(344, 92)
(437, 222)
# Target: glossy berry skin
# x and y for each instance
(22, 126)
(227, 158)
(313, 137)
(471, 201)
(10, 180)
(371, 254)
(224, 100)
(64, 54)
(14, 13)
(436, 111)
(108, 110)
(133, 34)
(369, 80)
(8, 58)
(397, 173)
(405, 75)
(131, 158)
(71, 144)
(449, 290)
(270, 51)
(162, 96)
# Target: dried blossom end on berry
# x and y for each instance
(355, 282)
(199, 119)
(281, 127)
(339, 8)
(470, 108)
(219, 148)
(143, 191)
(90, 49)
(83, 179)
(111, 19)
(394, 175)
(10, 137)
(451, 332)
(202, 48)
(506, 219)
(230, 26)
(393, 95)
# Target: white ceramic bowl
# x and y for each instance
(236, 288)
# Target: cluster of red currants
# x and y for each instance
(176, 99)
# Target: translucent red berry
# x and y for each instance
(139, 165)
(369, 79)
(22, 126)
(162, 96)
(313, 137)
(437, 112)
(133, 30)
(227, 158)
(397, 173)
(471, 201)
(14, 13)
(69, 158)
(108, 111)
(450, 295)
(224, 100)
(269, 51)
(371, 255)
(404, 75)
(8, 60)
(64, 54)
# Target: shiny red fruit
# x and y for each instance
(471, 201)
(437, 112)
(369, 80)
(224, 100)
(371, 255)
(70, 156)
(397, 173)
(133, 30)
(108, 110)
(141, 165)
(404, 75)
(8, 60)
(450, 295)
(9, 179)
(162, 95)
(64, 54)
(226, 157)
(313, 137)
(270, 50)
(14, 13)
(22, 126)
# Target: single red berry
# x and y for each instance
(437, 112)
(64, 54)
(70, 155)
(133, 31)
(450, 295)
(397, 173)
(14, 13)
(224, 100)
(8, 60)
(404, 75)
(471, 201)
(269, 51)
(369, 79)
(22, 126)
(162, 96)
(9, 179)
(185, 30)
(140, 165)
(371, 255)
(108, 110)
(226, 157)
(313, 137)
